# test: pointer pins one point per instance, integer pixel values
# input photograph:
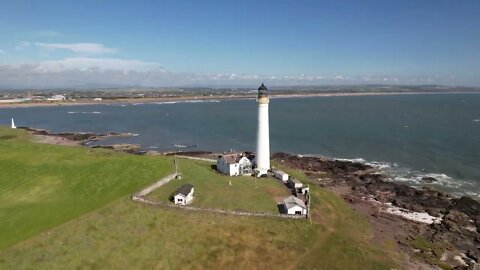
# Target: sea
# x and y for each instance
(409, 136)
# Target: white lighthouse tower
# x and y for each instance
(13, 124)
(262, 158)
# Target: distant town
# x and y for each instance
(105, 95)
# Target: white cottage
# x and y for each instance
(294, 206)
(184, 194)
(234, 165)
(280, 175)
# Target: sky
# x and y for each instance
(54, 44)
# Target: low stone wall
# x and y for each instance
(144, 192)
(215, 210)
(140, 197)
(198, 158)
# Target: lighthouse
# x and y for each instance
(262, 158)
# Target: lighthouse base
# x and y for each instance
(259, 172)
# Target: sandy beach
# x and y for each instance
(216, 97)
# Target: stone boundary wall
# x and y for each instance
(144, 192)
(215, 210)
(140, 197)
(198, 158)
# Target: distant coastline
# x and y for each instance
(213, 97)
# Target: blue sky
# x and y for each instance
(238, 43)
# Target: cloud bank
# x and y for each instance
(94, 48)
(89, 72)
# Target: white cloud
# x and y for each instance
(21, 45)
(102, 64)
(113, 72)
(94, 48)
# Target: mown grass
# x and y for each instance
(214, 190)
(42, 186)
(129, 235)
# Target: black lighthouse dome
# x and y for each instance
(262, 91)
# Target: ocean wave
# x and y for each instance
(185, 146)
(375, 164)
(476, 120)
(410, 177)
(187, 101)
(84, 112)
(421, 178)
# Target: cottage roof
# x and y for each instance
(294, 180)
(293, 201)
(184, 190)
(230, 158)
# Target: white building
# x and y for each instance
(280, 175)
(294, 206)
(184, 195)
(97, 99)
(305, 189)
(262, 158)
(13, 124)
(294, 183)
(234, 164)
(57, 98)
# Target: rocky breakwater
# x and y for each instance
(85, 138)
(449, 237)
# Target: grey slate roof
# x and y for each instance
(292, 201)
(230, 158)
(184, 190)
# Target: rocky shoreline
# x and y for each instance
(431, 226)
(451, 241)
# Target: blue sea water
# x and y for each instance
(411, 136)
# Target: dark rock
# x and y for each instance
(472, 255)
(429, 179)
(434, 212)
(458, 218)
(468, 206)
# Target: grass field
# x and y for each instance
(66, 183)
(42, 186)
(213, 190)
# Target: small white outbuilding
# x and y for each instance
(280, 175)
(294, 206)
(184, 195)
(294, 183)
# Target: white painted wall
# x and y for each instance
(263, 139)
(182, 200)
(293, 209)
(292, 184)
(226, 168)
(281, 175)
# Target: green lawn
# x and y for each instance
(213, 190)
(42, 186)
